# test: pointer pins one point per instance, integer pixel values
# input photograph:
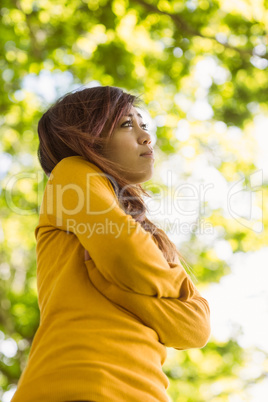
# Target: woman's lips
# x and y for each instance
(148, 156)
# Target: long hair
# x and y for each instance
(80, 123)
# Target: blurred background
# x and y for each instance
(201, 68)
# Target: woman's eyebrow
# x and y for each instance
(131, 115)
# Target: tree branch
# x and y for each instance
(182, 25)
(35, 47)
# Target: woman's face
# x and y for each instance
(128, 141)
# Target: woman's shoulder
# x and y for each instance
(72, 163)
(77, 170)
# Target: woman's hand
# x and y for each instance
(87, 256)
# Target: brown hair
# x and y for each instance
(80, 123)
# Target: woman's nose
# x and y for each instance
(147, 141)
(145, 138)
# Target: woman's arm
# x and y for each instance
(80, 200)
(181, 323)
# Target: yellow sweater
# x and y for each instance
(104, 323)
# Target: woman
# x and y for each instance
(111, 289)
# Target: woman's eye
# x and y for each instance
(127, 123)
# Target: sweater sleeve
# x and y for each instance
(182, 323)
(80, 200)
